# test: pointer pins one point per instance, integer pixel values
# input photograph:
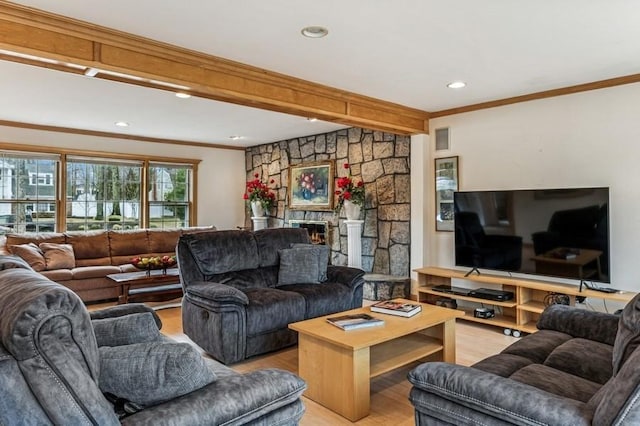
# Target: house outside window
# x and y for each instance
(169, 195)
(103, 194)
(27, 192)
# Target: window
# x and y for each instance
(41, 192)
(169, 195)
(27, 192)
(41, 179)
(103, 194)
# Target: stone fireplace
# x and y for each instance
(318, 229)
(381, 160)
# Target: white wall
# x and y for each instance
(585, 139)
(221, 176)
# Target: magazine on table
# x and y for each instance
(392, 307)
(352, 322)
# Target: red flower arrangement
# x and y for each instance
(349, 190)
(260, 192)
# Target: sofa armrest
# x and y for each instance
(351, 277)
(216, 292)
(127, 309)
(493, 395)
(237, 399)
(582, 323)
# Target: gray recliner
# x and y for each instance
(235, 303)
(53, 365)
(581, 368)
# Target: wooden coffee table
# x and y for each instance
(338, 365)
(157, 286)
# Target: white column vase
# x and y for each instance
(257, 209)
(351, 210)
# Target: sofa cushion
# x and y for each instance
(556, 382)
(87, 272)
(163, 241)
(58, 256)
(628, 337)
(125, 245)
(219, 252)
(298, 265)
(322, 255)
(42, 237)
(270, 309)
(583, 358)
(127, 329)
(151, 373)
(58, 275)
(322, 299)
(538, 346)
(270, 240)
(90, 248)
(32, 254)
(502, 364)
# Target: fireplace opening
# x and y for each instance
(317, 229)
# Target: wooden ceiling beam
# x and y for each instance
(28, 31)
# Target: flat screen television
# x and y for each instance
(560, 233)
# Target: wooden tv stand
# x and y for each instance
(519, 314)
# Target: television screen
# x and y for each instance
(553, 232)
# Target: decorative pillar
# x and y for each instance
(354, 243)
(259, 222)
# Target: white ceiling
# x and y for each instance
(403, 51)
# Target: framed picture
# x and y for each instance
(311, 186)
(446, 173)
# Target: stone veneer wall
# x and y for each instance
(380, 159)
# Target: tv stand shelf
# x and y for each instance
(518, 315)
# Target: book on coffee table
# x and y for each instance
(352, 322)
(401, 309)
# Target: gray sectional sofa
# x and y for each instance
(243, 288)
(581, 368)
(60, 364)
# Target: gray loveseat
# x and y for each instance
(581, 368)
(238, 301)
(61, 365)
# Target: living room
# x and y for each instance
(579, 138)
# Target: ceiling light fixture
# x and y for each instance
(456, 85)
(122, 124)
(91, 72)
(314, 31)
(235, 137)
(182, 95)
(312, 119)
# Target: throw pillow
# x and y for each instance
(628, 335)
(32, 254)
(322, 254)
(58, 256)
(125, 330)
(153, 372)
(297, 266)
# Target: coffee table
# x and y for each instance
(157, 286)
(338, 365)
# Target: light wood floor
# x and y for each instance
(389, 393)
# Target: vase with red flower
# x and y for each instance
(351, 195)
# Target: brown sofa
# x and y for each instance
(97, 254)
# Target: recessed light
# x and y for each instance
(456, 85)
(312, 119)
(183, 95)
(235, 137)
(122, 124)
(314, 31)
